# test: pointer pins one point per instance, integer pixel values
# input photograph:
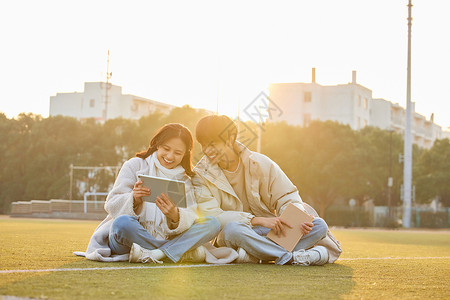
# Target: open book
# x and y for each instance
(295, 217)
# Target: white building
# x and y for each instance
(446, 133)
(301, 103)
(104, 101)
(350, 104)
(388, 115)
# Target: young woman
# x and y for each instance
(150, 232)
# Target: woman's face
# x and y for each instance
(171, 152)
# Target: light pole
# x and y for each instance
(407, 162)
(390, 179)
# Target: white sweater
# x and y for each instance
(120, 202)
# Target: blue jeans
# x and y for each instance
(254, 240)
(126, 230)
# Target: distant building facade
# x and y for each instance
(351, 104)
(104, 101)
(446, 133)
(388, 115)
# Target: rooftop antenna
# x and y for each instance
(108, 87)
(407, 163)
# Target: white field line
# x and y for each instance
(192, 266)
(381, 258)
(108, 268)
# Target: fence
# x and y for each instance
(379, 217)
(335, 216)
(59, 208)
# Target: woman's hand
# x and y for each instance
(276, 223)
(167, 207)
(306, 227)
(139, 191)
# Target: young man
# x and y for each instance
(246, 191)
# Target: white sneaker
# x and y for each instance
(195, 255)
(316, 256)
(245, 258)
(142, 255)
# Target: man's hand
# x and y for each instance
(306, 227)
(167, 207)
(276, 224)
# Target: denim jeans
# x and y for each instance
(126, 230)
(254, 240)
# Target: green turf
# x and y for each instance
(44, 244)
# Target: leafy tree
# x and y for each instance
(51, 147)
(432, 175)
(15, 135)
(372, 172)
(317, 159)
(327, 161)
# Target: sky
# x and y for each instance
(206, 52)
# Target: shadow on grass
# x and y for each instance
(228, 281)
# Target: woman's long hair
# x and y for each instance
(166, 133)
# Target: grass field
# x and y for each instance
(375, 264)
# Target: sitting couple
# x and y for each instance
(237, 193)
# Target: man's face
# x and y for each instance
(218, 152)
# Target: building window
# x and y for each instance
(306, 119)
(365, 103)
(307, 96)
(358, 124)
(359, 100)
(364, 123)
(92, 103)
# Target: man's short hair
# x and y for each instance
(215, 128)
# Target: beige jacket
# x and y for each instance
(268, 190)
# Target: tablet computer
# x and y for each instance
(175, 189)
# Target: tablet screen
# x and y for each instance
(175, 189)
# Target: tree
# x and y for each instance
(15, 135)
(327, 161)
(372, 172)
(432, 175)
(318, 159)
